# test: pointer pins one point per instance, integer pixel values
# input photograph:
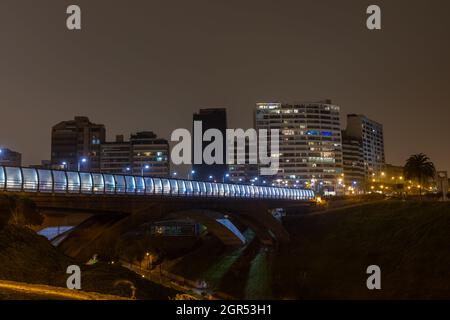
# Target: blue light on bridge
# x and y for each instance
(17, 179)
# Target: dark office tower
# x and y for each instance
(76, 144)
(150, 155)
(371, 135)
(213, 118)
(10, 158)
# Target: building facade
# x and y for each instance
(390, 179)
(150, 154)
(371, 134)
(115, 157)
(144, 153)
(353, 163)
(10, 158)
(310, 152)
(76, 144)
(212, 118)
(242, 172)
(45, 164)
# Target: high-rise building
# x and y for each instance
(76, 144)
(310, 142)
(144, 153)
(213, 118)
(371, 134)
(10, 158)
(353, 163)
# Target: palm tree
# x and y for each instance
(420, 168)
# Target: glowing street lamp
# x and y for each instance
(81, 161)
(143, 168)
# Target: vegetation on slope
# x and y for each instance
(329, 253)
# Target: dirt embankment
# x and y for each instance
(28, 257)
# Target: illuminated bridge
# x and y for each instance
(69, 182)
(213, 204)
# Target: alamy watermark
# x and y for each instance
(373, 22)
(74, 280)
(236, 143)
(73, 20)
(374, 280)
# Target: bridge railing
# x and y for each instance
(18, 179)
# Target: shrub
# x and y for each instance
(19, 210)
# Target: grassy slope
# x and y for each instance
(27, 257)
(329, 253)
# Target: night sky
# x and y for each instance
(148, 65)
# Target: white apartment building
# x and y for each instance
(310, 143)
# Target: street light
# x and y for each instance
(174, 174)
(191, 175)
(64, 164)
(144, 167)
(81, 161)
(227, 175)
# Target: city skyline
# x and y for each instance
(223, 157)
(222, 61)
(110, 139)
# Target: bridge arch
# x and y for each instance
(216, 223)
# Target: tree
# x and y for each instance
(419, 167)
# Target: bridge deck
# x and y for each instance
(20, 179)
